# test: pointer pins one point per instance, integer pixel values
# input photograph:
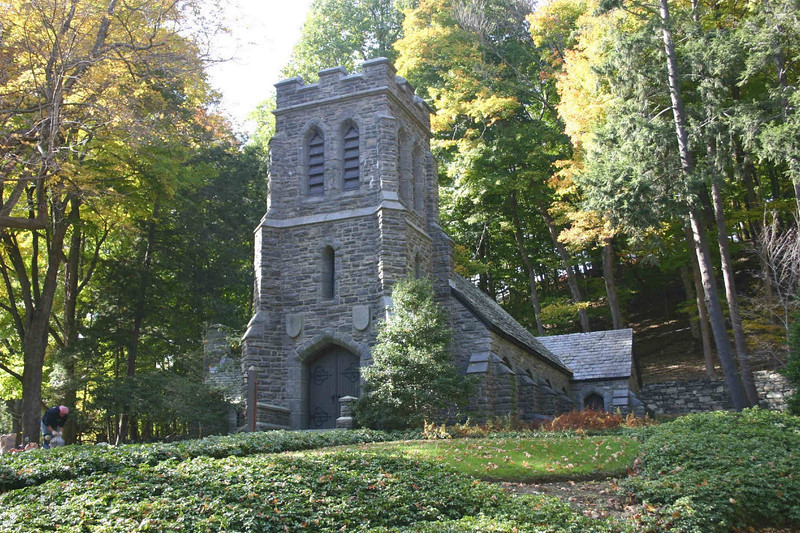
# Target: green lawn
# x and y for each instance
(520, 460)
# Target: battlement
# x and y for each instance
(377, 75)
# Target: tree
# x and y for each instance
(346, 33)
(499, 136)
(412, 377)
(83, 81)
(631, 153)
(735, 388)
(161, 280)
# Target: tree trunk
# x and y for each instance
(735, 387)
(781, 72)
(138, 318)
(70, 332)
(702, 312)
(745, 171)
(717, 320)
(745, 370)
(611, 287)
(526, 261)
(572, 282)
(14, 408)
(37, 327)
(688, 291)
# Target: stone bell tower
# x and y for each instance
(352, 207)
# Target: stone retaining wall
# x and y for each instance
(702, 395)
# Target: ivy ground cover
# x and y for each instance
(337, 491)
(70, 462)
(722, 472)
(522, 459)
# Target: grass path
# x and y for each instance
(527, 460)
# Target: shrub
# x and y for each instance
(168, 401)
(412, 377)
(590, 419)
(717, 471)
(70, 462)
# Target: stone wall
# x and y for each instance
(509, 380)
(702, 395)
(378, 231)
(222, 366)
(610, 390)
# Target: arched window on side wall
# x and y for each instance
(316, 163)
(328, 273)
(350, 159)
(417, 266)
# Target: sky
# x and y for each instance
(263, 33)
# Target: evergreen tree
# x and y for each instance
(412, 378)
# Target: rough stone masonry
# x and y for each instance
(352, 207)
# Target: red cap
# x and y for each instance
(63, 410)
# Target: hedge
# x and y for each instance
(70, 462)
(719, 471)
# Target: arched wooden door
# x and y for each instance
(594, 401)
(332, 375)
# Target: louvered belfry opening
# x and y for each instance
(350, 168)
(316, 164)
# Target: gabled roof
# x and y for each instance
(594, 355)
(498, 320)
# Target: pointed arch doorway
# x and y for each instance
(332, 374)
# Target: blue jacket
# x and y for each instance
(52, 417)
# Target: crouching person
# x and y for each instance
(52, 423)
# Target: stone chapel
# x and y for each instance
(352, 207)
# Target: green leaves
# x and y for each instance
(412, 378)
(332, 491)
(719, 471)
(346, 33)
(70, 462)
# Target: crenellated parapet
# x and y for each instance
(335, 84)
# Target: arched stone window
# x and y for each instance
(316, 163)
(328, 273)
(417, 266)
(350, 158)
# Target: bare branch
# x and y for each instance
(780, 252)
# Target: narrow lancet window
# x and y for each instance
(350, 175)
(328, 273)
(316, 164)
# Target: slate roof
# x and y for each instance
(594, 355)
(498, 320)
